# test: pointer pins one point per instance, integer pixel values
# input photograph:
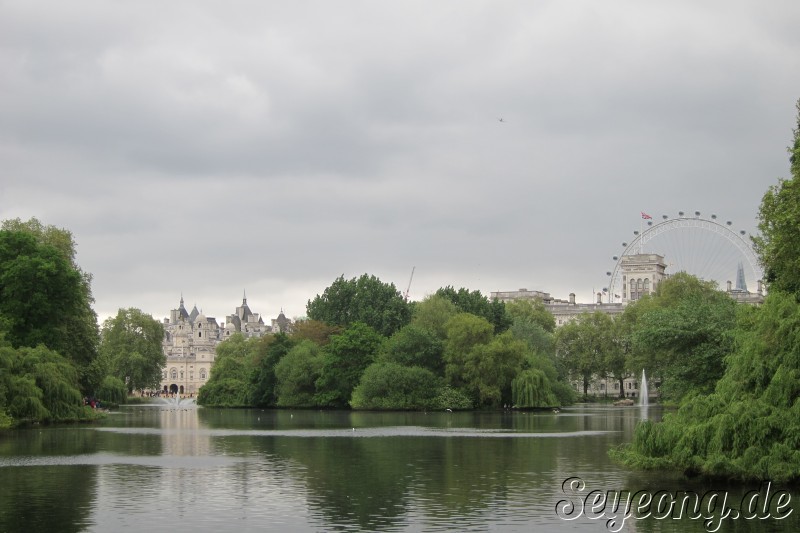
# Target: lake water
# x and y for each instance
(167, 467)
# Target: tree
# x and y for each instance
(296, 374)
(366, 299)
(582, 345)
(686, 334)
(413, 345)
(77, 327)
(131, 345)
(39, 289)
(271, 349)
(230, 383)
(477, 304)
(38, 384)
(343, 362)
(389, 385)
(490, 368)
(464, 332)
(314, 330)
(778, 244)
(532, 311)
(432, 314)
(531, 388)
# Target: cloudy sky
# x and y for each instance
(206, 148)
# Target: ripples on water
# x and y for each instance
(158, 469)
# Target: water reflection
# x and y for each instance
(162, 468)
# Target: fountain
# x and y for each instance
(176, 401)
(644, 393)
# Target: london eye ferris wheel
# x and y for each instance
(702, 246)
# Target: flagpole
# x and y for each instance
(641, 229)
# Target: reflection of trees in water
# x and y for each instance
(49, 497)
(385, 482)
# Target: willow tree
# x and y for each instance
(531, 388)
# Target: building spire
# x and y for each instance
(244, 297)
(741, 284)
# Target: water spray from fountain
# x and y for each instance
(644, 393)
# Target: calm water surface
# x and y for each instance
(167, 467)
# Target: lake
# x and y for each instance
(178, 467)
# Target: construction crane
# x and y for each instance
(409, 284)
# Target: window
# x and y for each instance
(203, 374)
(199, 333)
(174, 374)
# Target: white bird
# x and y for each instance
(449, 410)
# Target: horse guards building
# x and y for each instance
(191, 338)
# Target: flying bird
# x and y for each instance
(501, 119)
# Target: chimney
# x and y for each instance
(572, 298)
(729, 286)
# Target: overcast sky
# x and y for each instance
(206, 148)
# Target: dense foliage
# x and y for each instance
(130, 347)
(748, 428)
(439, 357)
(48, 330)
(365, 299)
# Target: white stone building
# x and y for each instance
(190, 342)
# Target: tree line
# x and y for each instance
(364, 347)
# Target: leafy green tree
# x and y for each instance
(230, 383)
(464, 332)
(366, 299)
(389, 385)
(296, 374)
(531, 332)
(582, 344)
(39, 289)
(343, 362)
(687, 335)
(615, 360)
(432, 314)
(778, 244)
(477, 304)
(131, 345)
(76, 329)
(490, 368)
(271, 348)
(532, 311)
(413, 345)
